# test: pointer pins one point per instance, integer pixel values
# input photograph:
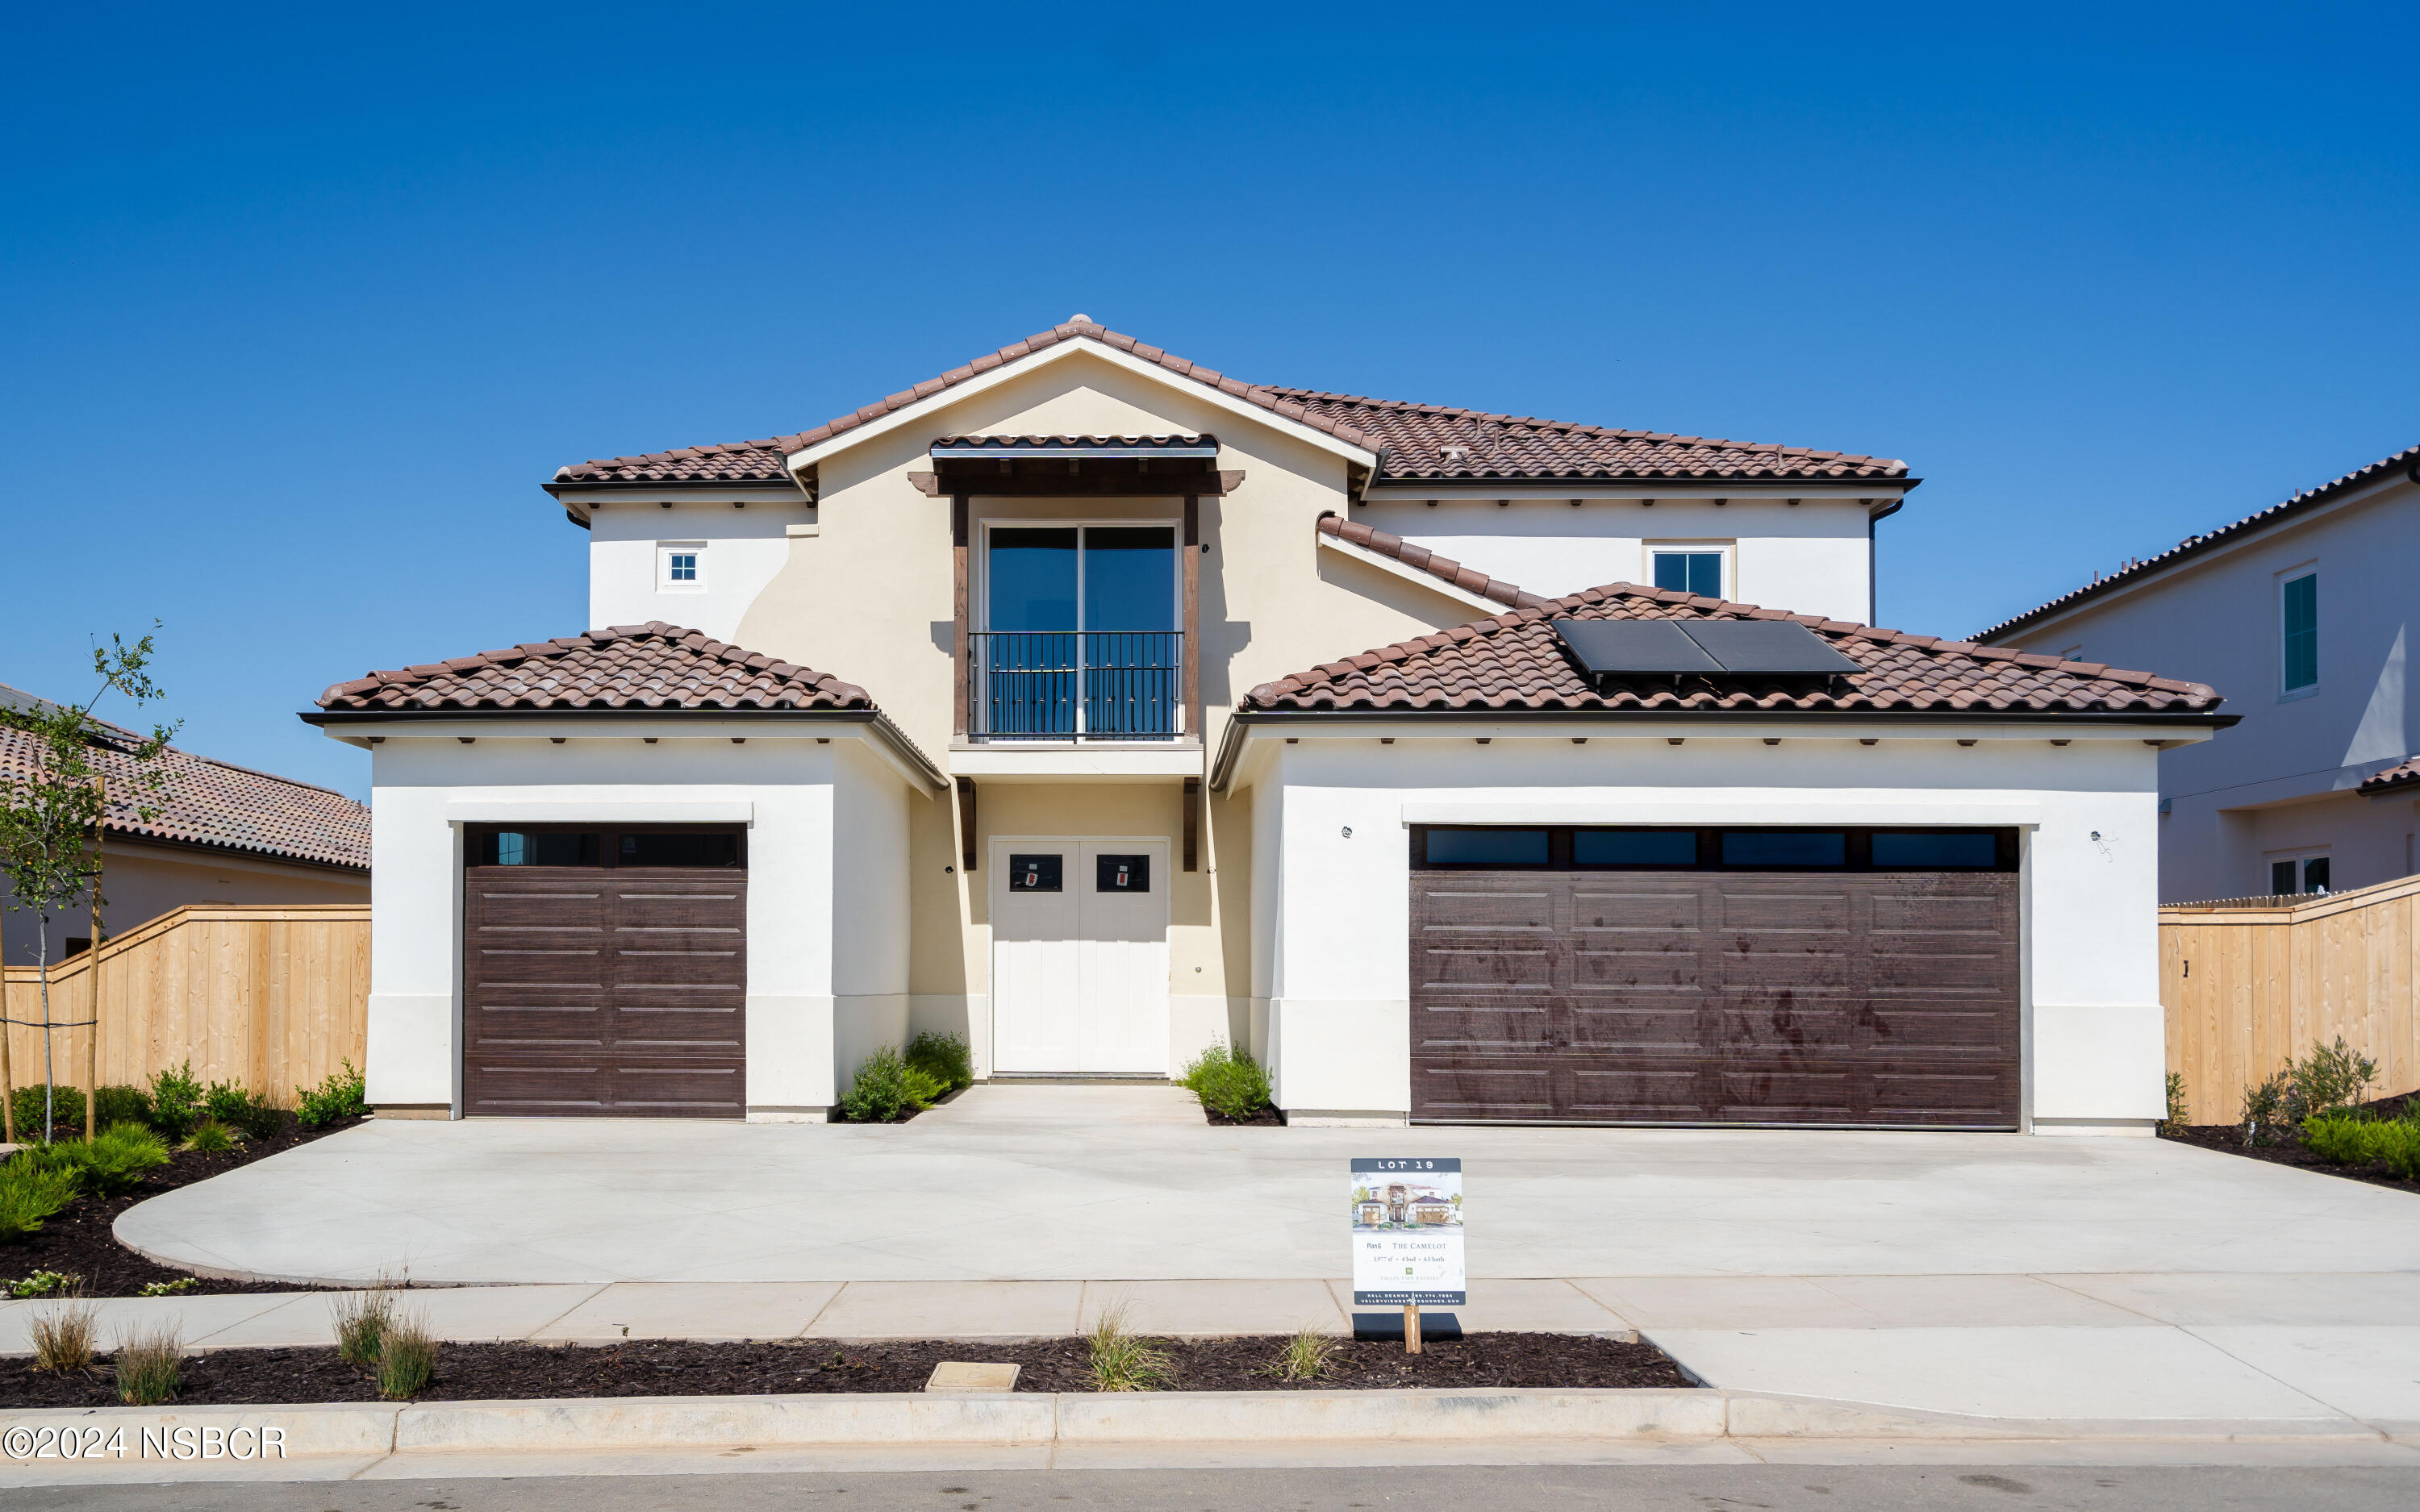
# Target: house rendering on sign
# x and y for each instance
(1032, 703)
(220, 834)
(2302, 613)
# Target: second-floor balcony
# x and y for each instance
(1087, 685)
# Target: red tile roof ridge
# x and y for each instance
(457, 682)
(2409, 459)
(1460, 638)
(1575, 427)
(1423, 560)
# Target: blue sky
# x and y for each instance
(298, 308)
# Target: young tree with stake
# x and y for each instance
(51, 811)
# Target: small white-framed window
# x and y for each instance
(2074, 652)
(2305, 871)
(1700, 568)
(680, 566)
(2298, 629)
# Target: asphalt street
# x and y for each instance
(1430, 1489)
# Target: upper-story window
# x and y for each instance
(1689, 569)
(1079, 637)
(680, 566)
(2299, 873)
(2298, 630)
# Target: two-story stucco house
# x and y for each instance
(2302, 613)
(1012, 705)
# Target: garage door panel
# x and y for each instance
(605, 991)
(1784, 998)
(1486, 1028)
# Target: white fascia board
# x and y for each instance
(1671, 726)
(1620, 490)
(600, 811)
(800, 461)
(1847, 808)
(626, 727)
(768, 493)
(1059, 764)
(1412, 575)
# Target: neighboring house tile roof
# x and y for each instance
(2404, 774)
(630, 667)
(2135, 568)
(210, 803)
(1419, 442)
(1423, 560)
(1516, 662)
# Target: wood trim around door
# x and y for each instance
(1191, 577)
(960, 710)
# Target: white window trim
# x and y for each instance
(1727, 550)
(665, 551)
(2317, 853)
(2294, 574)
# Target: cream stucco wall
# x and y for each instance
(142, 882)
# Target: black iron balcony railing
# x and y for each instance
(1071, 685)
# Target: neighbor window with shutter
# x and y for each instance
(2298, 631)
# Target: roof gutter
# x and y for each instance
(1230, 744)
(890, 734)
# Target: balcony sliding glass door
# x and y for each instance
(1081, 639)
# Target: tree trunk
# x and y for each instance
(8, 1082)
(92, 970)
(42, 941)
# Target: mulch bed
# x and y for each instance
(77, 1241)
(492, 1372)
(2228, 1139)
(1265, 1117)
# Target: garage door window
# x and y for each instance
(522, 847)
(605, 847)
(1746, 848)
(676, 848)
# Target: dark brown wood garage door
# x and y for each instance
(1845, 994)
(605, 973)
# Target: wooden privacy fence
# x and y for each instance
(2249, 982)
(272, 997)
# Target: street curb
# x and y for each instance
(1040, 1420)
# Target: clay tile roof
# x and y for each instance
(1421, 559)
(1028, 443)
(653, 667)
(2408, 460)
(2406, 774)
(1437, 442)
(211, 803)
(1416, 441)
(1516, 662)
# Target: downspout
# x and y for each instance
(1873, 578)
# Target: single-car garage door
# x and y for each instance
(1601, 975)
(605, 972)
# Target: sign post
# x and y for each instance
(1408, 1237)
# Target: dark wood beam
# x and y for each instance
(1191, 577)
(966, 824)
(1192, 824)
(959, 673)
(1087, 483)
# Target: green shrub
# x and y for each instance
(31, 1191)
(881, 1094)
(175, 1102)
(169, 1289)
(211, 1138)
(145, 1366)
(43, 1283)
(925, 1089)
(407, 1359)
(66, 1111)
(2331, 1076)
(944, 1058)
(2341, 1140)
(122, 1104)
(2179, 1106)
(2398, 1145)
(2264, 1108)
(230, 1104)
(362, 1320)
(1121, 1359)
(114, 1162)
(338, 1097)
(1228, 1080)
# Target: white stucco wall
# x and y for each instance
(1336, 949)
(826, 952)
(2281, 783)
(742, 550)
(1811, 557)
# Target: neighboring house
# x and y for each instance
(1020, 746)
(2302, 614)
(222, 834)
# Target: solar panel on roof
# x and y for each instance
(1707, 648)
(1766, 646)
(1606, 647)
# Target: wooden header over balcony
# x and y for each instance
(1075, 466)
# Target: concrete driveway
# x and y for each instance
(1094, 1184)
(2009, 1284)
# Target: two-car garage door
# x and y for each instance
(605, 972)
(1845, 977)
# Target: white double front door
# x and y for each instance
(1080, 955)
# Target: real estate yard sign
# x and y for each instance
(1407, 1233)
